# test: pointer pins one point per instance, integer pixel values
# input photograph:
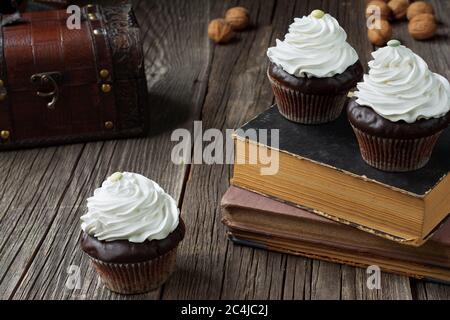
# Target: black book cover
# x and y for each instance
(334, 144)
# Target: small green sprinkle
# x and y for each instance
(394, 43)
(317, 13)
(115, 177)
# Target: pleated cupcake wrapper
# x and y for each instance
(307, 108)
(396, 155)
(135, 278)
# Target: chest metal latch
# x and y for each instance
(47, 87)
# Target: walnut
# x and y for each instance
(238, 18)
(380, 36)
(419, 7)
(220, 31)
(398, 8)
(422, 26)
(377, 5)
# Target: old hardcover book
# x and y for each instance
(262, 222)
(321, 170)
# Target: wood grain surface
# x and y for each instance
(44, 190)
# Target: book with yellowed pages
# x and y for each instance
(261, 222)
(320, 169)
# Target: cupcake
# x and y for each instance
(313, 69)
(131, 232)
(400, 111)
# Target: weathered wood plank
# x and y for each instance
(435, 53)
(392, 287)
(349, 283)
(237, 91)
(430, 291)
(33, 187)
(324, 277)
(325, 281)
(243, 271)
(177, 75)
(329, 280)
(297, 284)
(189, 79)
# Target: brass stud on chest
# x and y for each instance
(5, 134)
(109, 125)
(104, 73)
(106, 88)
(3, 93)
(98, 32)
(92, 17)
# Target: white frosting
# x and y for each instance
(130, 207)
(400, 86)
(314, 47)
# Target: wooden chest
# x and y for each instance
(65, 85)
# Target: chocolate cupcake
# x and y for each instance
(131, 233)
(400, 111)
(313, 69)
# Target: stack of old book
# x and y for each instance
(325, 202)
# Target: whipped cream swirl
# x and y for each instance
(130, 207)
(314, 47)
(400, 86)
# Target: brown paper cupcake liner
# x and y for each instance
(135, 278)
(307, 108)
(395, 155)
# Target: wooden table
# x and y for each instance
(44, 190)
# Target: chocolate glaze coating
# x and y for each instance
(339, 83)
(123, 251)
(367, 120)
